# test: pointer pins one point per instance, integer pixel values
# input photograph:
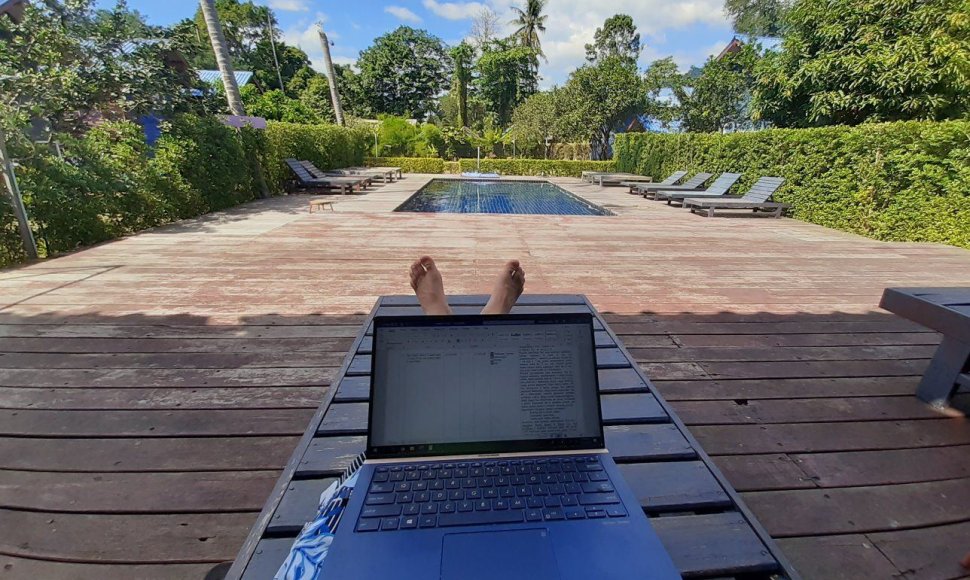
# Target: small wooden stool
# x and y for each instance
(321, 203)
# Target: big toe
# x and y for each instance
(428, 263)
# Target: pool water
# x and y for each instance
(507, 197)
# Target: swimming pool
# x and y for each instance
(515, 197)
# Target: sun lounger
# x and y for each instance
(379, 174)
(649, 189)
(618, 178)
(717, 190)
(318, 173)
(305, 180)
(671, 180)
(393, 171)
(700, 519)
(947, 311)
(755, 199)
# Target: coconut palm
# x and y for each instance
(222, 56)
(530, 22)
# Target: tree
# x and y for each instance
(260, 60)
(243, 24)
(484, 27)
(758, 17)
(403, 72)
(276, 106)
(505, 78)
(854, 61)
(720, 95)
(598, 100)
(662, 82)
(211, 18)
(533, 121)
(531, 22)
(353, 97)
(462, 56)
(618, 37)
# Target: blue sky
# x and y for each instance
(688, 30)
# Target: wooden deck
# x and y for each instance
(152, 388)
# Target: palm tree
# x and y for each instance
(531, 22)
(222, 56)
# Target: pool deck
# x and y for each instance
(151, 388)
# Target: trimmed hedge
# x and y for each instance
(409, 164)
(906, 181)
(327, 146)
(536, 167)
(111, 184)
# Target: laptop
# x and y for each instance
(486, 459)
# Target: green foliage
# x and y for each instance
(110, 184)
(409, 164)
(537, 167)
(430, 141)
(403, 72)
(275, 106)
(462, 56)
(396, 137)
(505, 78)
(618, 37)
(530, 22)
(532, 122)
(758, 17)
(720, 93)
(906, 181)
(855, 61)
(327, 146)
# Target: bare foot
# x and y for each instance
(507, 289)
(428, 286)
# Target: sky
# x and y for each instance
(687, 30)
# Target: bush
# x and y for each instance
(327, 146)
(906, 181)
(409, 164)
(111, 184)
(538, 167)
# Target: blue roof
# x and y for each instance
(213, 76)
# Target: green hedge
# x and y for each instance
(327, 146)
(537, 167)
(907, 181)
(409, 164)
(110, 183)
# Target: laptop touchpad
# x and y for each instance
(508, 555)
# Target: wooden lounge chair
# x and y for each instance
(671, 180)
(318, 173)
(304, 180)
(717, 190)
(947, 311)
(649, 189)
(702, 522)
(393, 171)
(756, 199)
(619, 178)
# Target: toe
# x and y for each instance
(428, 263)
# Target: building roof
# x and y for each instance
(213, 76)
(13, 9)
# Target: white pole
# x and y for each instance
(338, 111)
(272, 45)
(10, 180)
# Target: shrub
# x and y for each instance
(906, 181)
(409, 164)
(538, 167)
(327, 146)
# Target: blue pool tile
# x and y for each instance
(504, 197)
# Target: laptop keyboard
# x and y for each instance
(449, 493)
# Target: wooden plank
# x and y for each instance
(267, 558)
(620, 409)
(193, 492)
(620, 380)
(299, 505)
(167, 331)
(147, 455)
(747, 389)
(157, 398)
(847, 557)
(29, 568)
(635, 443)
(791, 353)
(860, 509)
(803, 410)
(796, 369)
(764, 472)
(329, 456)
(674, 486)
(713, 545)
(108, 538)
(171, 360)
(353, 389)
(184, 422)
(927, 553)
(344, 419)
(855, 468)
(802, 340)
(151, 378)
(172, 345)
(821, 437)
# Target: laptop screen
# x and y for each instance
(483, 384)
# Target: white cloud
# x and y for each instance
(454, 10)
(304, 35)
(289, 5)
(403, 13)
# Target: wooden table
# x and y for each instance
(700, 519)
(321, 203)
(947, 311)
